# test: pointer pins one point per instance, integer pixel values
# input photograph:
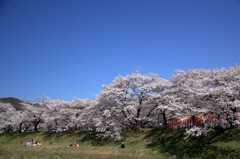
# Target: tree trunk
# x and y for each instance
(36, 122)
(27, 127)
(137, 126)
(234, 110)
(35, 127)
(194, 120)
(164, 120)
(8, 129)
(20, 127)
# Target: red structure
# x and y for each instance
(209, 119)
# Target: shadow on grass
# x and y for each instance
(10, 137)
(89, 137)
(92, 139)
(172, 142)
(16, 134)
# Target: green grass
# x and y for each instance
(145, 144)
(218, 144)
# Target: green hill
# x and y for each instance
(145, 144)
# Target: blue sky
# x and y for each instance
(64, 49)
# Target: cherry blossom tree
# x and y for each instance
(130, 101)
(64, 114)
(7, 121)
(208, 91)
(41, 100)
(133, 102)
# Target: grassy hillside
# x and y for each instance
(146, 144)
(218, 144)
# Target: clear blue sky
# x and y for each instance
(70, 48)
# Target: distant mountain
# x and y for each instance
(16, 103)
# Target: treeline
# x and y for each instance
(135, 101)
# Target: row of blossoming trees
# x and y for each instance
(135, 101)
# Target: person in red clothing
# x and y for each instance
(75, 145)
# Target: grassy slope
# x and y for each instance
(144, 144)
(218, 144)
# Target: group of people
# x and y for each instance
(73, 145)
(76, 145)
(29, 143)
